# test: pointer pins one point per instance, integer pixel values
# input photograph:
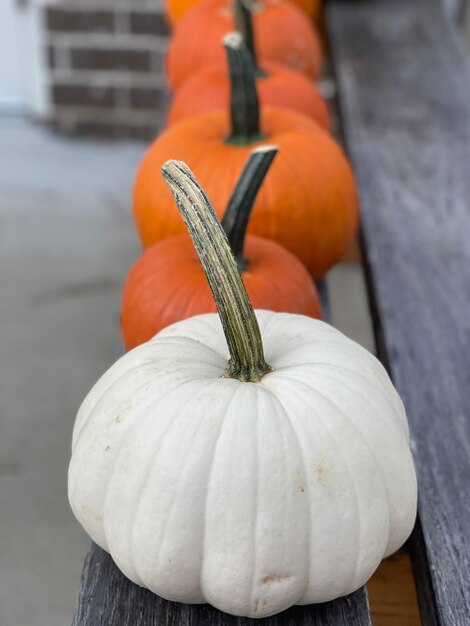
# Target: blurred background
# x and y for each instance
(82, 91)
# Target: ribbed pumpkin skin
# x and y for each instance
(308, 201)
(282, 33)
(167, 284)
(209, 90)
(252, 497)
(175, 9)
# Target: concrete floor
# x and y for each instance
(66, 243)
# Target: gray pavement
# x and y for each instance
(66, 243)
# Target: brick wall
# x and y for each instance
(106, 67)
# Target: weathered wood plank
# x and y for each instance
(107, 598)
(404, 90)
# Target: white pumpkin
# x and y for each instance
(251, 496)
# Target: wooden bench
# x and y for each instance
(403, 81)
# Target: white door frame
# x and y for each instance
(32, 58)
(35, 59)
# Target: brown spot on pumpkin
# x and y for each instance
(299, 482)
(268, 579)
(118, 419)
(255, 605)
(107, 448)
(320, 474)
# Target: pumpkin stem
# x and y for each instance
(235, 311)
(237, 214)
(244, 106)
(244, 25)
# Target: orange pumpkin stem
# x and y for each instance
(236, 313)
(240, 205)
(244, 25)
(244, 106)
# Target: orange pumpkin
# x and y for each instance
(278, 85)
(175, 9)
(283, 35)
(308, 203)
(168, 284)
(312, 8)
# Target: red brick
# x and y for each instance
(110, 59)
(64, 20)
(147, 98)
(148, 24)
(64, 94)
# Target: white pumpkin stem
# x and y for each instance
(244, 105)
(238, 319)
(238, 212)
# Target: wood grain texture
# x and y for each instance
(108, 598)
(392, 593)
(404, 89)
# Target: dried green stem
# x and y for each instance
(238, 212)
(238, 319)
(243, 11)
(244, 106)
